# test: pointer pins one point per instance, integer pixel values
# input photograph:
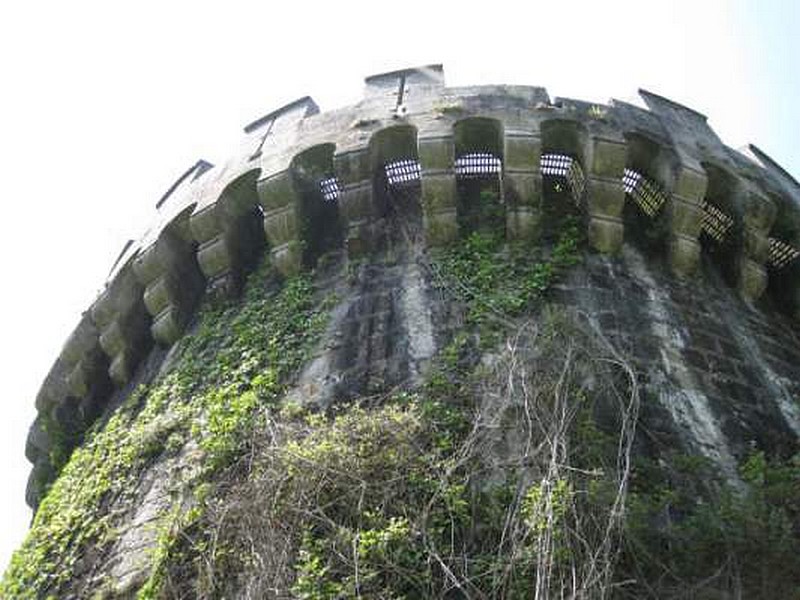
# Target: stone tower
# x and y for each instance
(688, 267)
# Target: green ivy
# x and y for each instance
(499, 282)
(235, 362)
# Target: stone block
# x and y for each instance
(436, 153)
(685, 218)
(214, 258)
(157, 295)
(608, 158)
(276, 192)
(606, 197)
(112, 339)
(355, 202)
(522, 152)
(752, 279)
(523, 188)
(755, 244)
(150, 264)
(438, 192)
(684, 255)
(759, 212)
(205, 225)
(690, 185)
(168, 326)
(121, 368)
(352, 167)
(78, 381)
(606, 235)
(281, 226)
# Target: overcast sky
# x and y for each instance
(104, 104)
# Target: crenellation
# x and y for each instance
(634, 119)
(285, 116)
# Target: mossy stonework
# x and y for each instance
(445, 343)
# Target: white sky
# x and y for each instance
(103, 105)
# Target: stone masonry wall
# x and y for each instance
(689, 236)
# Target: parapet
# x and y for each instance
(303, 183)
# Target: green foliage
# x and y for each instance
(498, 283)
(536, 518)
(726, 540)
(232, 366)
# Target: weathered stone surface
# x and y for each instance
(721, 373)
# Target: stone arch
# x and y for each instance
(396, 172)
(229, 230)
(318, 190)
(722, 228)
(783, 257)
(168, 268)
(479, 148)
(563, 166)
(243, 224)
(649, 176)
(123, 321)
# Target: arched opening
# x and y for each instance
(92, 405)
(68, 420)
(721, 229)
(243, 227)
(562, 163)
(123, 321)
(168, 268)
(478, 166)
(783, 259)
(318, 192)
(396, 182)
(648, 171)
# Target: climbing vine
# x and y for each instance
(234, 363)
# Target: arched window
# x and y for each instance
(478, 145)
(649, 172)
(564, 145)
(318, 193)
(783, 259)
(396, 182)
(720, 233)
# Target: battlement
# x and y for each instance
(305, 182)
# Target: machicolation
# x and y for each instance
(305, 184)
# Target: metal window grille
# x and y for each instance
(565, 167)
(402, 172)
(630, 180)
(477, 165)
(330, 189)
(648, 195)
(781, 254)
(716, 224)
(575, 180)
(556, 165)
